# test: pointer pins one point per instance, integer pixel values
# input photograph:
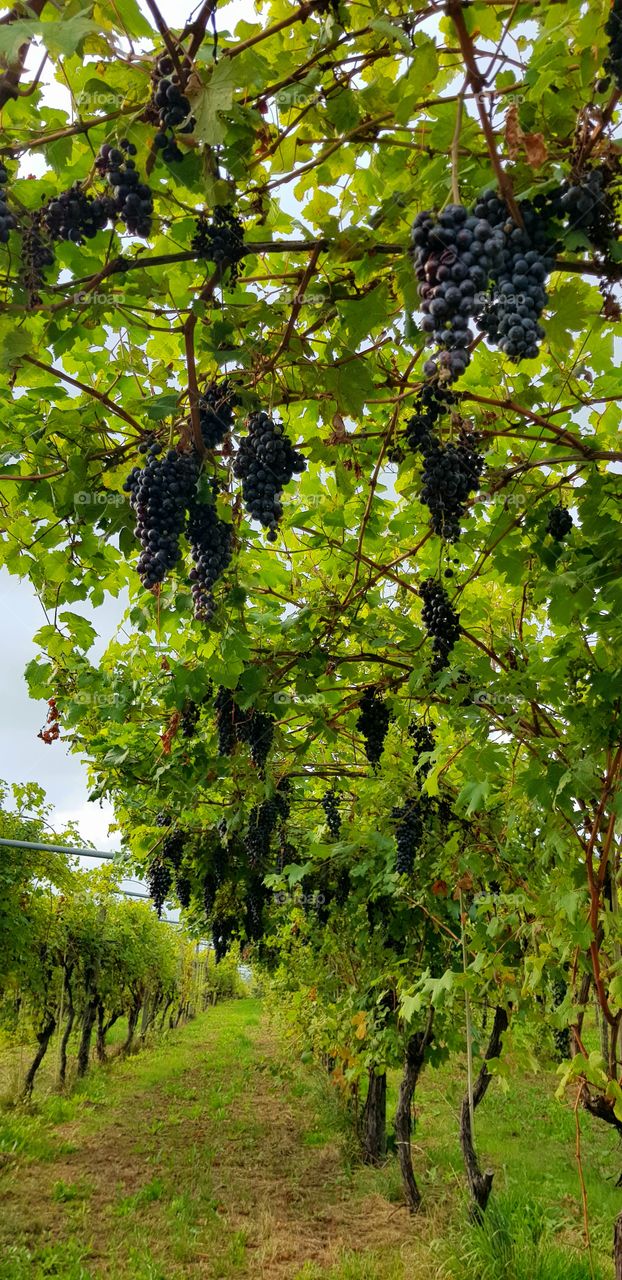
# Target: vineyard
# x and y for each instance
(309, 364)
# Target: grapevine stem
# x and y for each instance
(455, 146)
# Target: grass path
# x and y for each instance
(216, 1156)
(203, 1158)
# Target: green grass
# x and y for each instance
(216, 1156)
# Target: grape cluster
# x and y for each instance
(559, 523)
(216, 407)
(343, 886)
(183, 889)
(455, 254)
(256, 728)
(74, 216)
(262, 823)
(222, 933)
(408, 833)
(561, 1035)
(226, 711)
(423, 740)
(221, 240)
(160, 493)
(37, 254)
(172, 106)
(190, 715)
(210, 541)
(132, 200)
(431, 404)
(172, 849)
(587, 206)
(7, 221)
(266, 461)
(441, 621)
(451, 473)
(159, 880)
(373, 723)
(613, 31)
(255, 900)
(333, 816)
(510, 315)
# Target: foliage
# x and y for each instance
(324, 130)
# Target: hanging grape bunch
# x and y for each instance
(7, 221)
(132, 200)
(172, 106)
(441, 621)
(159, 880)
(74, 216)
(510, 316)
(588, 206)
(221, 240)
(183, 889)
(408, 833)
(216, 407)
(261, 824)
(225, 721)
(451, 473)
(331, 810)
(265, 462)
(423, 741)
(190, 716)
(256, 728)
(210, 541)
(454, 255)
(613, 30)
(559, 523)
(431, 404)
(160, 493)
(172, 849)
(373, 723)
(37, 255)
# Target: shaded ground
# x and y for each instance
(199, 1163)
(216, 1156)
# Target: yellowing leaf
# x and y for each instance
(208, 99)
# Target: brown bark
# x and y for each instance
(132, 1022)
(43, 1037)
(88, 1022)
(415, 1057)
(9, 81)
(71, 1014)
(375, 1119)
(480, 1184)
(617, 1246)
